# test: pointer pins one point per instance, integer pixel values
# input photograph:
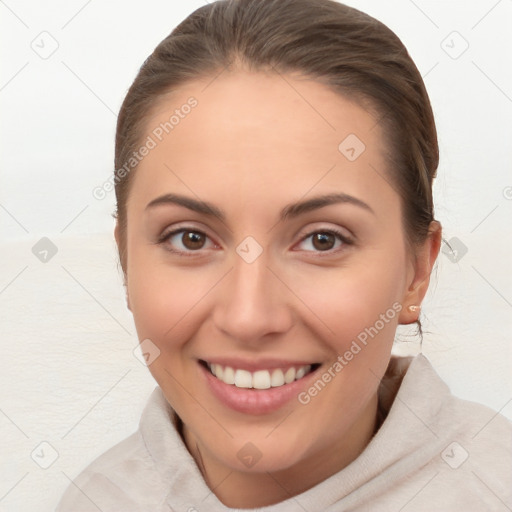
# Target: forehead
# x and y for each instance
(258, 134)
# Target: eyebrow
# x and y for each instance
(290, 211)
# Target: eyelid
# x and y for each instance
(340, 233)
(175, 229)
(184, 226)
(347, 240)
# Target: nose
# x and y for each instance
(252, 303)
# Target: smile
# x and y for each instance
(260, 379)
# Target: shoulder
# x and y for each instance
(478, 451)
(125, 477)
(451, 415)
(468, 446)
(115, 479)
(473, 468)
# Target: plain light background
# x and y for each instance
(68, 375)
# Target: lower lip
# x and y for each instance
(254, 401)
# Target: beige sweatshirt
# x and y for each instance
(434, 452)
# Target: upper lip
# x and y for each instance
(260, 364)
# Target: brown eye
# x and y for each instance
(186, 241)
(193, 240)
(323, 241)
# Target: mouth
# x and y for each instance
(260, 379)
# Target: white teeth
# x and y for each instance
(229, 375)
(289, 376)
(218, 371)
(260, 379)
(302, 371)
(243, 379)
(277, 378)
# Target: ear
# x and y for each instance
(424, 259)
(117, 237)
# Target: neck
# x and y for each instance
(251, 489)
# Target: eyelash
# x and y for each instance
(346, 241)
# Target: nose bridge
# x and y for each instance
(251, 303)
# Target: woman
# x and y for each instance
(275, 224)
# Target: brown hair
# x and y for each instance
(337, 45)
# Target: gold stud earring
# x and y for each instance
(413, 308)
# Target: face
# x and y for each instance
(261, 250)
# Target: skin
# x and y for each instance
(251, 147)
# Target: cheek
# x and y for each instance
(167, 306)
(167, 303)
(349, 300)
(357, 311)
